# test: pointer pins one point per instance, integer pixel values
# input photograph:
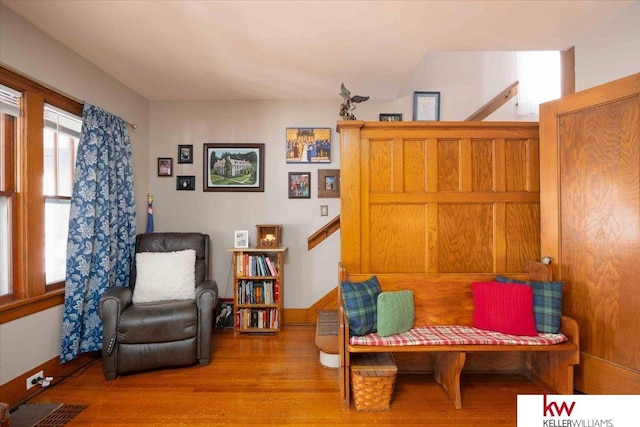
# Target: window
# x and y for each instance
(539, 76)
(40, 136)
(61, 139)
(9, 115)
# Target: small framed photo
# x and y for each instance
(308, 145)
(328, 183)
(390, 117)
(241, 239)
(426, 106)
(299, 185)
(185, 182)
(224, 313)
(165, 166)
(185, 153)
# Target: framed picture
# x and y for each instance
(299, 185)
(165, 166)
(241, 239)
(328, 183)
(426, 106)
(308, 145)
(224, 313)
(390, 117)
(233, 167)
(185, 153)
(184, 182)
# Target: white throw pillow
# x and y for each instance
(162, 276)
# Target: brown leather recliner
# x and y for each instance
(151, 335)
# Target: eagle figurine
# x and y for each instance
(347, 105)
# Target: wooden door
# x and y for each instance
(590, 224)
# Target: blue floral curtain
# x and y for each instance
(102, 230)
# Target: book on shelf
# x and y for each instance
(272, 267)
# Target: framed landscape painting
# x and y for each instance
(308, 145)
(233, 167)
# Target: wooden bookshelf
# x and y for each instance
(258, 289)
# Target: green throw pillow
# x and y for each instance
(359, 300)
(395, 312)
(547, 302)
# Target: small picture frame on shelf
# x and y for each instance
(241, 239)
(426, 106)
(165, 166)
(328, 183)
(390, 117)
(185, 153)
(299, 185)
(185, 182)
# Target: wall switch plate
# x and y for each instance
(34, 378)
(324, 210)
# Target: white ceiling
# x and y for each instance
(197, 50)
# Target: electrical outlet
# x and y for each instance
(33, 379)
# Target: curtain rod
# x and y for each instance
(73, 98)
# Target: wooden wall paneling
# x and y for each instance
(482, 165)
(465, 237)
(591, 139)
(397, 246)
(533, 162)
(446, 183)
(432, 166)
(350, 194)
(466, 166)
(522, 235)
(449, 165)
(600, 202)
(365, 208)
(398, 165)
(500, 250)
(432, 253)
(415, 166)
(516, 165)
(380, 166)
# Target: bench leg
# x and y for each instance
(446, 370)
(553, 369)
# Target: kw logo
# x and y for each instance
(552, 409)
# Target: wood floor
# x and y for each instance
(273, 381)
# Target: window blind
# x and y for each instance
(10, 101)
(61, 121)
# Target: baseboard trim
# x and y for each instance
(14, 392)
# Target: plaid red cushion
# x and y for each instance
(456, 335)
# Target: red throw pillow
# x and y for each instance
(504, 307)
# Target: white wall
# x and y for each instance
(30, 341)
(610, 52)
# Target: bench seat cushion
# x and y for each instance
(455, 335)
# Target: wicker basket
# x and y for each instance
(373, 376)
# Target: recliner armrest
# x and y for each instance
(115, 300)
(111, 306)
(207, 286)
(206, 300)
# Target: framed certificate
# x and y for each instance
(426, 106)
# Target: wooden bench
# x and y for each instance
(446, 299)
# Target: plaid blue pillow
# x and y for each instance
(360, 300)
(547, 303)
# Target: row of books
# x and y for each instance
(258, 292)
(247, 318)
(255, 265)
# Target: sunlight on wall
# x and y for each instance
(539, 78)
